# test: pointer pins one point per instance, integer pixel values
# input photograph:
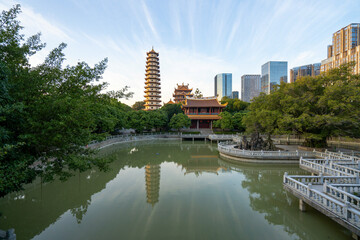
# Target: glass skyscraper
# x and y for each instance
(272, 73)
(223, 85)
(250, 87)
(235, 95)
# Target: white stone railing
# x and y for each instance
(221, 136)
(133, 137)
(231, 150)
(343, 193)
(322, 166)
(345, 169)
(336, 155)
(343, 210)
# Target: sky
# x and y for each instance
(196, 39)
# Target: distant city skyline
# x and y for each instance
(195, 39)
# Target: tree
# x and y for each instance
(170, 110)
(48, 113)
(180, 120)
(138, 105)
(225, 122)
(234, 105)
(198, 94)
(315, 107)
(237, 120)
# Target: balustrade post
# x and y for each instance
(325, 186)
(309, 190)
(345, 210)
(285, 179)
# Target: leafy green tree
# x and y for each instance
(234, 105)
(140, 105)
(237, 120)
(158, 119)
(48, 113)
(198, 94)
(225, 122)
(315, 107)
(179, 121)
(170, 110)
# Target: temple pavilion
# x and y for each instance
(181, 92)
(152, 81)
(202, 111)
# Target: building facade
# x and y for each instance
(311, 70)
(235, 95)
(203, 111)
(223, 85)
(181, 92)
(345, 48)
(273, 73)
(250, 86)
(152, 82)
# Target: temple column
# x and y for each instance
(197, 124)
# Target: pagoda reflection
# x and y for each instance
(152, 181)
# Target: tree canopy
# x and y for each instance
(179, 121)
(315, 107)
(48, 113)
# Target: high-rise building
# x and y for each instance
(303, 71)
(181, 92)
(235, 95)
(223, 85)
(152, 81)
(272, 73)
(250, 86)
(345, 48)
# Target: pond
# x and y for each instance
(166, 190)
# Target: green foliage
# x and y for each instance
(180, 120)
(146, 120)
(171, 109)
(315, 107)
(226, 121)
(234, 105)
(232, 122)
(49, 113)
(138, 105)
(198, 94)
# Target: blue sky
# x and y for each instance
(196, 39)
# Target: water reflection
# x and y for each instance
(152, 178)
(280, 208)
(196, 184)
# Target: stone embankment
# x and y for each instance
(229, 151)
(111, 140)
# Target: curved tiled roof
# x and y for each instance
(203, 102)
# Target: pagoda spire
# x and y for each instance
(152, 81)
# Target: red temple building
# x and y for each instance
(203, 111)
(181, 92)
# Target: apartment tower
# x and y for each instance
(345, 48)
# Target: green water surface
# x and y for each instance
(166, 190)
